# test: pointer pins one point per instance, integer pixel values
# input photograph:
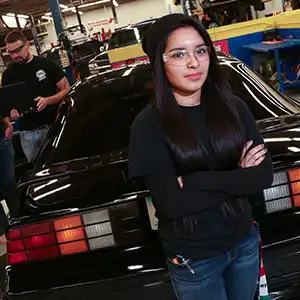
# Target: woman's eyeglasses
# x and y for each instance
(181, 57)
(16, 51)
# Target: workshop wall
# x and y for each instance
(127, 13)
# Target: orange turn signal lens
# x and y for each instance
(296, 200)
(75, 247)
(294, 175)
(66, 223)
(70, 235)
(295, 187)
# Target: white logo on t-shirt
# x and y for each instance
(41, 75)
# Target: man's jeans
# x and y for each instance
(32, 140)
(231, 276)
(7, 181)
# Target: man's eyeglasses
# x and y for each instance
(181, 57)
(16, 51)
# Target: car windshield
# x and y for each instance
(97, 117)
(127, 37)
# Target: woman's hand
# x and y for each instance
(253, 157)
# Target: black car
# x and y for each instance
(85, 230)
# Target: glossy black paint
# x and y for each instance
(86, 150)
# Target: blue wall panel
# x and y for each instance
(236, 46)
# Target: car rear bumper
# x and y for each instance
(146, 287)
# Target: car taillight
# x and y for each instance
(40, 241)
(67, 223)
(69, 235)
(142, 59)
(15, 258)
(36, 229)
(130, 62)
(43, 253)
(118, 65)
(14, 234)
(285, 191)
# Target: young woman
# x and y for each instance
(200, 154)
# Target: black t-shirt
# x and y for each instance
(192, 221)
(41, 75)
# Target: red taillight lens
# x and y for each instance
(14, 246)
(74, 247)
(118, 65)
(67, 223)
(13, 234)
(70, 235)
(40, 241)
(36, 229)
(15, 258)
(130, 62)
(43, 253)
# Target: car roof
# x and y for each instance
(138, 24)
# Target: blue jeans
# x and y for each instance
(7, 181)
(32, 140)
(230, 276)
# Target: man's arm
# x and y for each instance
(8, 128)
(63, 86)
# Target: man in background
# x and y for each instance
(48, 86)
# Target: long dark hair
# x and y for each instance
(219, 114)
(220, 117)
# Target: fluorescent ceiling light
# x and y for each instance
(72, 9)
(63, 6)
(19, 16)
(46, 18)
(93, 3)
(23, 16)
(115, 3)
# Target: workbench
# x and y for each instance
(276, 48)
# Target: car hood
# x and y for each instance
(282, 138)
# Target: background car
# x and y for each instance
(124, 46)
(99, 63)
(86, 230)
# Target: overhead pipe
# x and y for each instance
(34, 35)
(79, 19)
(114, 11)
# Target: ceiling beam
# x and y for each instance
(37, 8)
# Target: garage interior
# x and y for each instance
(89, 39)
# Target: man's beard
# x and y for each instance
(24, 60)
